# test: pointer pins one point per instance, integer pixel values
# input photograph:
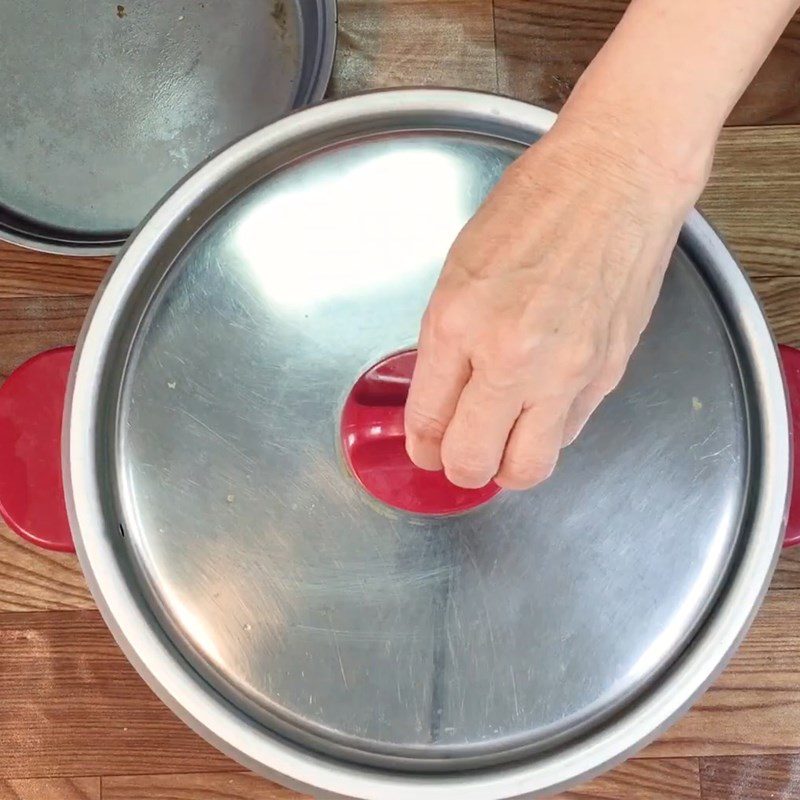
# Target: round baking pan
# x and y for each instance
(107, 105)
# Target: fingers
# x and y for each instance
(439, 377)
(474, 442)
(532, 450)
(476, 431)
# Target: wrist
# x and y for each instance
(642, 143)
(618, 151)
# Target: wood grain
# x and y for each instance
(637, 780)
(224, 786)
(750, 778)
(676, 779)
(543, 47)
(787, 575)
(754, 707)
(32, 579)
(51, 789)
(753, 197)
(388, 43)
(781, 300)
(29, 325)
(70, 704)
(26, 273)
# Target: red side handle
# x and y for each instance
(373, 439)
(31, 488)
(790, 357)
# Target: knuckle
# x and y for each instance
(423, 426)
(606, 384)
(445, 320)
(611, 375)
(500, 381)
(509, 355)
(582, 354)
(470, 470)
(505, 358)
(525, 473)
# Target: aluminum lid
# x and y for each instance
(256, 298)
(129, 97)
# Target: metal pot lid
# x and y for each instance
(231, 334)
(132, 96)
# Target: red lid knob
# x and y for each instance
(31, 489)
(791, 369)
(373, 438)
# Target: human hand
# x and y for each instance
(542, 300)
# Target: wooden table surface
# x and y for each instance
(75, 719)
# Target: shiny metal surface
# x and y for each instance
(106, 106)
(482, 633)
(209, 436)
